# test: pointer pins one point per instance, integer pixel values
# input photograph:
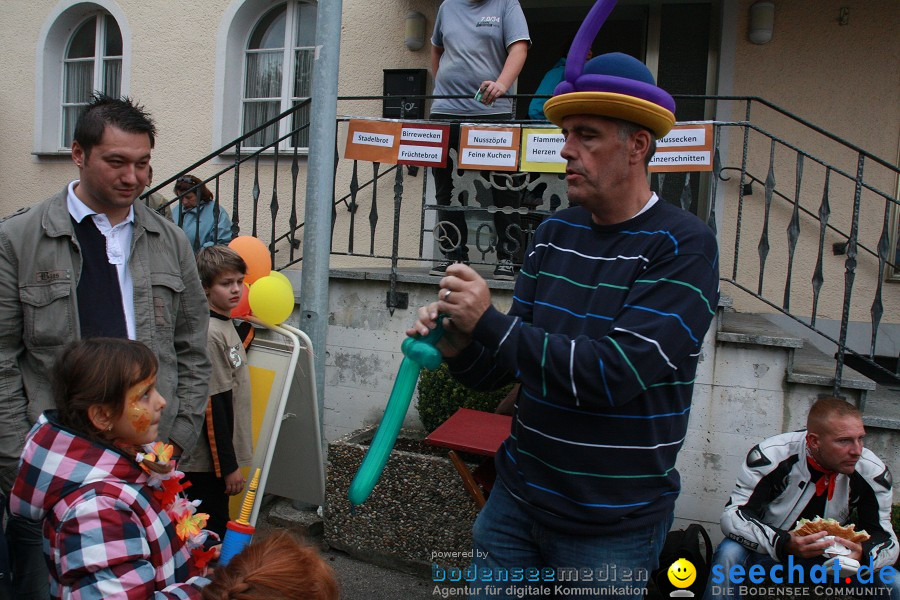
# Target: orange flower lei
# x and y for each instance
(167, 489)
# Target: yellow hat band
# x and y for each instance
(608, 104)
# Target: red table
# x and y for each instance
(475, 432)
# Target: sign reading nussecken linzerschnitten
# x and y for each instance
(688, 147)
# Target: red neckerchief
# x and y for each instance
(826, 481)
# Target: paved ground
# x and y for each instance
(374, 579)
(364, 581)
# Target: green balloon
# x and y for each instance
(418, 353)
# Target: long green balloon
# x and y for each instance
(418, 353)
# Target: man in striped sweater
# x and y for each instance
(604, 334)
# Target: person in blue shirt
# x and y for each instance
(205, 222)
(549, 82)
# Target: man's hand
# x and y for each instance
(464, 296)
(807, 546)
(451, 343)
(856, 550)
(234, 483)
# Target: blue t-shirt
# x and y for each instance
(548, 84)
(475, 36)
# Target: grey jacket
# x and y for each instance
(40, 264)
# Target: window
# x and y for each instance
(82, 47)
(93, 62)
(282, 41)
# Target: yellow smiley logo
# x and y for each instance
(682, 573)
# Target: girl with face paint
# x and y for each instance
(92, 474)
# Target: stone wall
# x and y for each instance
(740, 393)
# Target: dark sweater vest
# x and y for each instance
(100, 310)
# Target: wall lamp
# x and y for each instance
(415, 30)
(762, 21)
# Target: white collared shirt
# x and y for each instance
(653, 199)
(118, 249)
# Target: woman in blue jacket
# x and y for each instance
(205, 222)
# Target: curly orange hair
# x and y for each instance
(277, 567)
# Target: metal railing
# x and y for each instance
(849, 226)
(860, 229)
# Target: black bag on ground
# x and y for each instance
(692, 544)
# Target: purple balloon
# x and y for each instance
(576, 80)
(585, 37)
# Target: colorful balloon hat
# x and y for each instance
(612, 85)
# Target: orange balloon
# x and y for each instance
(255, 254)
(243, 307)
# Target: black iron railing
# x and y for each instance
(858, 223)
(834, 198)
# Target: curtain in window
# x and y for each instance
(268, 57)
(84, 71)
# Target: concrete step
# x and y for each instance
(279, 513)
(882, 408)
(749, 328)
(814, 367)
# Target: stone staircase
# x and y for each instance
(756, 380)
(809, 372)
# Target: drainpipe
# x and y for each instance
(320, 188)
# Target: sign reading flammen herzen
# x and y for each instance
(541, 150)
(373, 141)
(688, 147)
(494, 148)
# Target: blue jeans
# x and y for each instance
(506, 539)
(30, 575)
(730, 554)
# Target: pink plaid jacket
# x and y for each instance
(105, 535)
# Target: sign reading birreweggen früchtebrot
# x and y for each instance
(423, 144)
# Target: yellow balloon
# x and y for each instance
(281, 277)
(271, 300)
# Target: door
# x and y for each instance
(676, 39)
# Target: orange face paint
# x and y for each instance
(139, 413)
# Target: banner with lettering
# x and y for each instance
(423, 144)
(541, 150)
(494, 148)
(373, 141)
(688, 147)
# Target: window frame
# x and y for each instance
(52, 45)
(288, 66)
(232, 41)
(99, 61)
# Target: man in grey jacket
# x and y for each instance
(91, 262)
